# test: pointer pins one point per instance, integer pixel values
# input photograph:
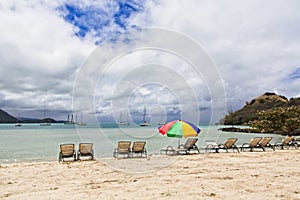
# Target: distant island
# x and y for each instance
(268, 113)
(7, 118)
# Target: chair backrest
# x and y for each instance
(86, 148)
(265, 141)
(67, 149)
(124, 146)
(190, 143)
(255, 141)
(138, 146)
(287, 140)
(230, 142)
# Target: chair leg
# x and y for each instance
(272, 147)
(115, 154)
(59, 157)
(237, 149)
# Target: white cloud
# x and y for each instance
(254, 44)
(39, 55)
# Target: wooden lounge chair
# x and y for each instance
(254, 143)
(265, 142)
(85, 150)
(286, 142)
(123, 149)
(67, 151)
(139, 148)
(190, 145)
(228, 144)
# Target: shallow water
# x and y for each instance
(32, 142)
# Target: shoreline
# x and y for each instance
(247, 175)
(251, 130)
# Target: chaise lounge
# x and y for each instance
(139, 148)
(228, 144)
(190, 145)
(287, 142)
(254, 143)
(67, 151)
(265, 142)
(86, 150)
(122, 149)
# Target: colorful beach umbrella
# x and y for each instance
(179, 129)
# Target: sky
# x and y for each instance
(193, 59)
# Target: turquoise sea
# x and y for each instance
(35, 143)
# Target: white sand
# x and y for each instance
(247, 175)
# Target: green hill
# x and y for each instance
(264, 102)
(6, 118)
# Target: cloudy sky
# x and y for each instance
(82, 57)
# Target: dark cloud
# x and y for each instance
(295, 74)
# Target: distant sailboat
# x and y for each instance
(80, 123)
(43, 122)
(70, 120)
(161, 120)
(145, 123)
(121, 122)
(127, 121)
(18, 123)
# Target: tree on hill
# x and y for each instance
(283, 120)
(47, 120)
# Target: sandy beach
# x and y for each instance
(247, 175)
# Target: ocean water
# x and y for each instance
(35, 143)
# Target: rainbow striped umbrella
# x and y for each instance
(179, 129)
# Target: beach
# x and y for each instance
(246, 175)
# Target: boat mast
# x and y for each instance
(144, 117)
(120, 118)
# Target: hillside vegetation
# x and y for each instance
(264, 102)
(268, 113)
(283, 120)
